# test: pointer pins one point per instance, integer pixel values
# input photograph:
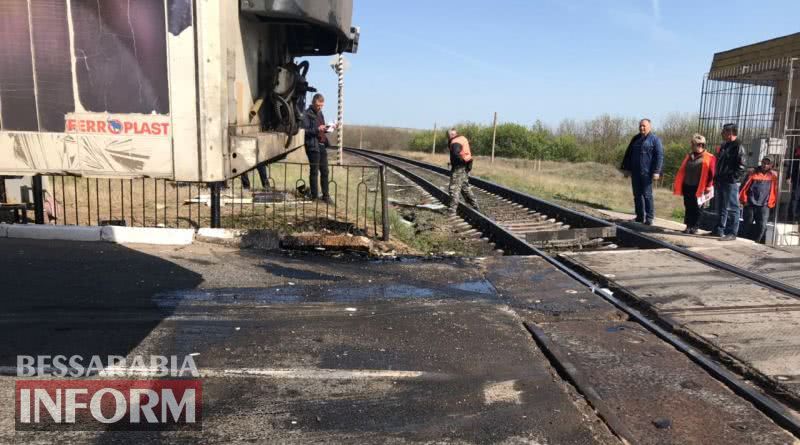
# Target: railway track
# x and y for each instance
(521, 224)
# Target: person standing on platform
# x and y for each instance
(730, 172)
(759, 194)
(793, 178)
(643, 162)
(694, 179)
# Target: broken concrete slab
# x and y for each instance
(756, 328)
(653, 391)
(544, 293)
(316, 241)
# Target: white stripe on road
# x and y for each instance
(280, 373)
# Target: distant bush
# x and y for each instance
(602, 139)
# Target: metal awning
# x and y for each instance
(321, 27)
(758, 63)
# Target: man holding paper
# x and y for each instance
(695, 181)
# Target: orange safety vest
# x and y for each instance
(708, 164)
(466, 154)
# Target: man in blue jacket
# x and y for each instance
(643, 162)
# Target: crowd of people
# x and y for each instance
(721, 178)
(739, 193)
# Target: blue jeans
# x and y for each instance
(726, 197)
(643, 197)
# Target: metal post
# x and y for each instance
(340, 126)
(215, 207)
(384, 204)
(38, 200)
(494, 134)
(433, 150)
(785, 133)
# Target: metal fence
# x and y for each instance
(279, 202)
(763, 99)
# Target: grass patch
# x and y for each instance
(577, 185)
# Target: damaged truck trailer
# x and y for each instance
(188, 90)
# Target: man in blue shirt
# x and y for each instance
(643, 162)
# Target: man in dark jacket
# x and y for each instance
(316, 141)
(643, 162)
(793, 178)
(730, 172)
(759, 194)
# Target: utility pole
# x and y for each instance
(494, 134)
(433, 150)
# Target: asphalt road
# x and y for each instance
(304, 348)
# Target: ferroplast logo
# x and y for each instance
(153, 395)
(117, 126)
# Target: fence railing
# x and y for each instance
(275, 198)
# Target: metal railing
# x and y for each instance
(359, 201)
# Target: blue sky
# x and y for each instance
(448, 61)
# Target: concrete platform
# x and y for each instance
(779, 263)
(300, 348)
(755, 326)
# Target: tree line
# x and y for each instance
(602, 139)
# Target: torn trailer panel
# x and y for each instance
(190, 90)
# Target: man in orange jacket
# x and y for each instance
(460, 166)
(758, 195)
(694, 178)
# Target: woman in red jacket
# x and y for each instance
(695, 178)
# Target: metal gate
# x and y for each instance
(762, 99)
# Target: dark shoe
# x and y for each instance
(693, 231)
(687, 231)
(328, 200)
(649, 222)
(728, 238)
(637, 220)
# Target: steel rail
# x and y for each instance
(768, 405)
(579, 219)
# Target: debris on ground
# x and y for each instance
(314, 241)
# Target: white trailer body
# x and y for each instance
(189, 90)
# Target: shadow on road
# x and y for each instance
(69, 298)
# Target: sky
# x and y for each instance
(448, 61)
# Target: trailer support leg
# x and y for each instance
(38, 200)
(215, 205)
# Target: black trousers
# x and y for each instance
(692, 216)
(318, 158)
(755, 222)
(262, 174)
(794, 204)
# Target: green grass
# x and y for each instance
(577, 185)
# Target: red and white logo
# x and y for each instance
(117, 125)
(90, 404)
